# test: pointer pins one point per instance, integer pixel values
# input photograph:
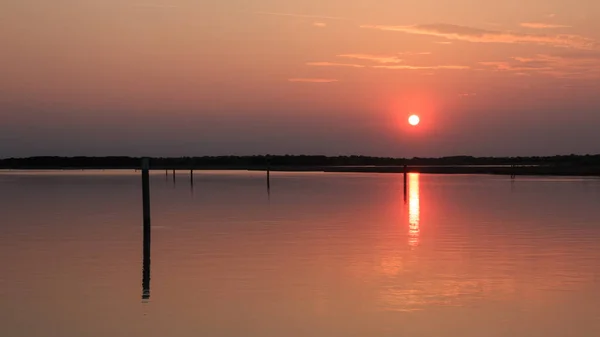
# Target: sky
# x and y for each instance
(334, 77)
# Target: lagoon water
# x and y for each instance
(324, 254)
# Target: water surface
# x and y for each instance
(324, 254)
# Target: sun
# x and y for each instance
(414, 120)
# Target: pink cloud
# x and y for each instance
(469, 34)
(302, 16)
(312, 80)
(540, 25)
(333, 64)
(409, 67)
(374, 58)
(573, 65)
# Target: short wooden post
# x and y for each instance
(268, 173)
(405, 183)
(192, 177)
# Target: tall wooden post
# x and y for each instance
(146, 229)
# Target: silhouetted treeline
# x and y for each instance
(286, 160)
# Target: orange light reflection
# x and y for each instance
(413, 209)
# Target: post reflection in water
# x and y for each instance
(413, 209)
(146, 266)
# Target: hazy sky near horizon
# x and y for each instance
(188, 77)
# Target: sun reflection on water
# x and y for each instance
(413, 209)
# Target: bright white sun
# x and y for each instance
(414, 120)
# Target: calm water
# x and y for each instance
(324, 255)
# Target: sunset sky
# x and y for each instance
(189, 77)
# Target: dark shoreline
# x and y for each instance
(442, 169)
(564, 165)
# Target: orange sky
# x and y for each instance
(184, 77)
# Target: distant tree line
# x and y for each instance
(285, 160)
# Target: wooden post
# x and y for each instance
(268, 174)
(173, 175)
(192, 177)
(146, 229)
(405, 183)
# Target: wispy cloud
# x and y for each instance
(151, 5)
(320, 24)
(442, 42)
(333, 64)
(384, 59)
(313, 80)
(541, 25)
(519, 66)
(409, 67)
(463, 33)
(305, 16)
(588, 56)
(467, 94)
(385, 63)
(374, 58)
(572, 65)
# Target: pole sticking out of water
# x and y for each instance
(173, 175)
(268, 174)
(192, 177)
(147, 229)
(405, 183)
